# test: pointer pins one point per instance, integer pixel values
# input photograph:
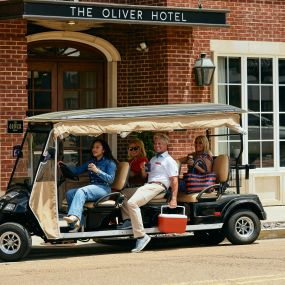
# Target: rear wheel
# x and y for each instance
(243, 227)
(210, 237)
(15, 242)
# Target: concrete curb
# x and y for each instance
(271, 230)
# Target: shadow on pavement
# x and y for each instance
(109, 246)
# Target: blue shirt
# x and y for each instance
(107, 170)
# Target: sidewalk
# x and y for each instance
(273, 227)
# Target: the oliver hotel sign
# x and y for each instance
(155, 15)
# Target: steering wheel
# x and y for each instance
(67, 173)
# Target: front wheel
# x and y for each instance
(243, 227)
(15, 242)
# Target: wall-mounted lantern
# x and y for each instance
(204, 70)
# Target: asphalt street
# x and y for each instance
(173, 261)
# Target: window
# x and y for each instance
(249, 83)
(260, 108)
(229, 90)
(281, 89)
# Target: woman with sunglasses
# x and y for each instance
(136, 158)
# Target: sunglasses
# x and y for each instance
(134, 148)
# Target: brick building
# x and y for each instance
(60, 55)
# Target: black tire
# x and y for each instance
(243, 227)
(15, 242)
(210, 237)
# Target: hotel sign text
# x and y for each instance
(155, 15)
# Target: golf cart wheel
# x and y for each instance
(210, 237)
(15, 242)
(243, 227)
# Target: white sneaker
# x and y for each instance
(141, 243)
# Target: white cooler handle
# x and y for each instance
(166, 206)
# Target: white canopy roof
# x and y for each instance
(123, 120)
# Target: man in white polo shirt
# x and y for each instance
(163, 173)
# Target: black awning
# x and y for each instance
(110, 13)
(12, 9)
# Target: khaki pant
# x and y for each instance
(135, 198)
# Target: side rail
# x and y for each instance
(235, 172)
(212, 193)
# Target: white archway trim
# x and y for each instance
(104, 46)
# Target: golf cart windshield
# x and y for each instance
(29, 155)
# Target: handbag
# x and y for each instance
(197, 182)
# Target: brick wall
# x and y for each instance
(162, 75)
(13, 81)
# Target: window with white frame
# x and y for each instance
(281, 91)
(255, 84)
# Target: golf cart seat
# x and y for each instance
(221, 167)
(115, 198)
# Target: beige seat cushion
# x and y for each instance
(91, 204)
(221, 168)
(122, 175)
(188, 198)
(107, 203)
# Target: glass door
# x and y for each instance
(81, 87)
(42, 88)
(65, 75)
(58, 86)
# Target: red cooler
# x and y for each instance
(172, 223)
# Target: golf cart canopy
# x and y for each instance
(123, 120)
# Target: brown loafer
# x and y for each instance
(71, 219)
(76, 228)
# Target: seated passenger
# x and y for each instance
(200, 161)
(101, 169)
(162, 173)
(136, 158)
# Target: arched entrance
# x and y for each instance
(65, 75)
(70, 70)
(102, 51)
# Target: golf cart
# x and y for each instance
(31, 204)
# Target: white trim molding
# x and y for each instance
(110, 52)
(247, 47)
